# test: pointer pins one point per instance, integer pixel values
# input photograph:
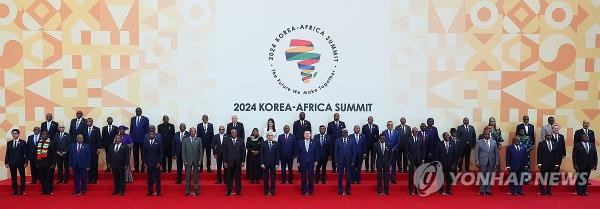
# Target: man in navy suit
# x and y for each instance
(80, 163)
(585, 159)
(118, 155)
(237, 126)
(287, 143)
(334, 130)
(467, 136)
(559, 139)
(31, 142)
(307, 156)
(206, 133)
(414, 155)
(404, 132)
(77, 126)
(140, 126)
(300, 126)
(152, 154)
(269, 161)
(529, 129)
(383, 151)
(166, 131)
(447, 154)
(323, 144)
(176, 150)
(50, 126)
(392, 137)
(345, 150)
(361, 153)
(585, 131)
(63, 145)
(516, 162)
(371, 132)
(108, 136)
(93, 139)
(16, 160)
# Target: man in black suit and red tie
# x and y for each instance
(16, 160)
(92, 138)
(206, 133)
(334, 130)
(108, 136)
(585, 131)
(238, 126)
(50, 126)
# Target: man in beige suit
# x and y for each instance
(191, 152)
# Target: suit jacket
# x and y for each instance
(206, 135)
(307, 158)
(153, 153)
(516, 160)
(486, 156)
(580, 132)
(360, 146)
(393, 139)
(92, 138)
(62, 144)
(345, 152)
(371, 135)
(467, 135)
(48, 161)
(16, 156)
(167, 133)
(118, 159)
(403, 135)
(288, 148)
(383, 157)
(191, 150)
(547, 158)
(560, 142)
(546, 129)
(335, 131)
(217, 145)
(75, 130)
(176, 148)
(109, 138)
(414, 151)
(584, 160)
(529, 131)
(433, 138)
(448, 157)
(138, 131)
(269, 157)
(323, 149)
(234, 154)
(31, 147)
(81, 159)
(298, 130)
(53, 128)
(239, 127)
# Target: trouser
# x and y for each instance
(383, 179)
(344, 167)
(269, 179)
(208, 156)
(447, 186)
(401, 161)
(179, 168)
(137, 152)
(464, 155)
(546, 180)
(167, 161)
(119, 180)
(62, 165)
(93, 172)
(321, 171)
(191, 171)
(486, 172)
(411, 176)
(80, 179)
(287, 175)
(393, 166)
(46, 174)
(307, 178)
(219, 166)
(13, 177)
(583, 177)
(106, 160)
(356, 169)
(370, 157)
(154, 179)
(234, 173)
(333, 159)
(516, 184)
(33, 170)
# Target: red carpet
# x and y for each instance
(288, 196)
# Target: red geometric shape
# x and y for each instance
(562, 99)
(549, 81)
(483, 37)
(521, 6)
(565, 57)
(591, 113)
(579, 18)
(509, 78)
(483, 66)
(34, 75)
(11, 97)
(12, 53)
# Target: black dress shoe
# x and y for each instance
(21, 193)
(115, 193)
(549, 193)
(122, 194)
(449, 193)
(339, 193)
(149, 194)
(393, 182)
(481, 193)
(283, 182)
(74, 193)
(585, 194)
(238, 194)
(158, 194)
(290, 182)
(210, 171)
(488, 193)
(178, 182)
(218, 182)
(14, 193)
(227, 193)
(266, 194)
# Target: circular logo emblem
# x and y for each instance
(428, 178)
(303, 59)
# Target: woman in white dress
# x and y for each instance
(270, 127)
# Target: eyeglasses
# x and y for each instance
(61, 127)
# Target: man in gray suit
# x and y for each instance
(486, 159)
(191, 152)
(547, 129)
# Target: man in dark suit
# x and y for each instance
(307, 157)
(392, 137)
(300, 126)
(334, 130)
(152, 154)
(529, 129)
(287, 145)
(93, 138)
(323, 144)
(62, 140)
(516, 162)
(108, 136)
(467, 136)
(447, 155)
(361, 153)
(559, 139)
(371, 132)
(77, 126)
(383, 153)
(50, 126)
(118, 155)
(15, 160)
(346, 154)
(238, 126)
(404, 133)
(234, 156)
(269, 161)
(166, 131)
(45, 153)
(140, 125)
(585, 159)
(80, 163)
(431, 142)
(176, 150)
(217, 147)
(547, 159)
(415, 156)
(206, 133)
(31, 142)
(585, 131)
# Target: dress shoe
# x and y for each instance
(488, 193)
(310, 194)
(266, 194)
(481, 193)
(122, 194)
(520, 193)
(218, 182)
(283, 182)
(290, 182)
(339, 193)
(178, 182)
(347, 193)
(21, 193)
(149, 194)
(210, 171)
(158, 194)
(238, 194)
(227, 193)
(549, 193)
(585, 194)
(14, 193)
(136, 171)
(74, 193)
(115, 193)
(393, 182)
